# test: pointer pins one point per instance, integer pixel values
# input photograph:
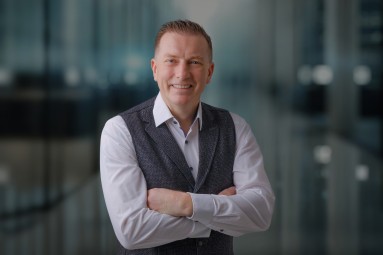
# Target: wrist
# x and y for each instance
(186, 205)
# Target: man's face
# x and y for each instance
(182, 68)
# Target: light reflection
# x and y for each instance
(322, 154)
(5, 77)
(4, 175)
(362, 75)
(72, 77)
(362, 172)
(131, 78)
(322, 75)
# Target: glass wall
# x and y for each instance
(65, 66)
(306, 74)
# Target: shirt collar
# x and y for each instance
(162, 113)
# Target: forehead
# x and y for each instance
(185, 43)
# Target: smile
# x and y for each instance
(179, 86)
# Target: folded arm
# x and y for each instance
(242, 209)
(176, 203)
(136, 226)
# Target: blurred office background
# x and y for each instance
(306, 74)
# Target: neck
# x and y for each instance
(185, 116)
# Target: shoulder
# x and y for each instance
(139, 113)
(146, 105)
(243, 130)
(208, 107)
(239, 122)
(114, 125)
(119, 123)
(215, 114)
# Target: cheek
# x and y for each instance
(164, 73)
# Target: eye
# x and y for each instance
(195, 62)
(170, 60)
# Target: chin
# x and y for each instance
(181, 102)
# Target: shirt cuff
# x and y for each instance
(203, 208)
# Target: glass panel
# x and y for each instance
(305, 74)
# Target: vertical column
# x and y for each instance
(343, 204)
(265, 60)
(285, 46)
(289, 148)
(341, 54)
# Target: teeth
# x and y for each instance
(178, 86)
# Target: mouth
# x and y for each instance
(181, 86)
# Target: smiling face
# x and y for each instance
(182, 68)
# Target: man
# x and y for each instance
(180, 176)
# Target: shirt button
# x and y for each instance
(186, 141)
(175, 122)
(200, 243)
(191, 168)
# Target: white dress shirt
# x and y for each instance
(125, 190)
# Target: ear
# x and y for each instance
(210, 72)
(154, 68)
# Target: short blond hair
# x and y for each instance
(186, 27)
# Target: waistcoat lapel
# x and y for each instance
(208, 138)
(166, 142)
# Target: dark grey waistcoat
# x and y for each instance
(164, 166)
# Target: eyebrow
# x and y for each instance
(170, 56)
(197, 57)
(175, 56)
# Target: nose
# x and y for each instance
(182, 71)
